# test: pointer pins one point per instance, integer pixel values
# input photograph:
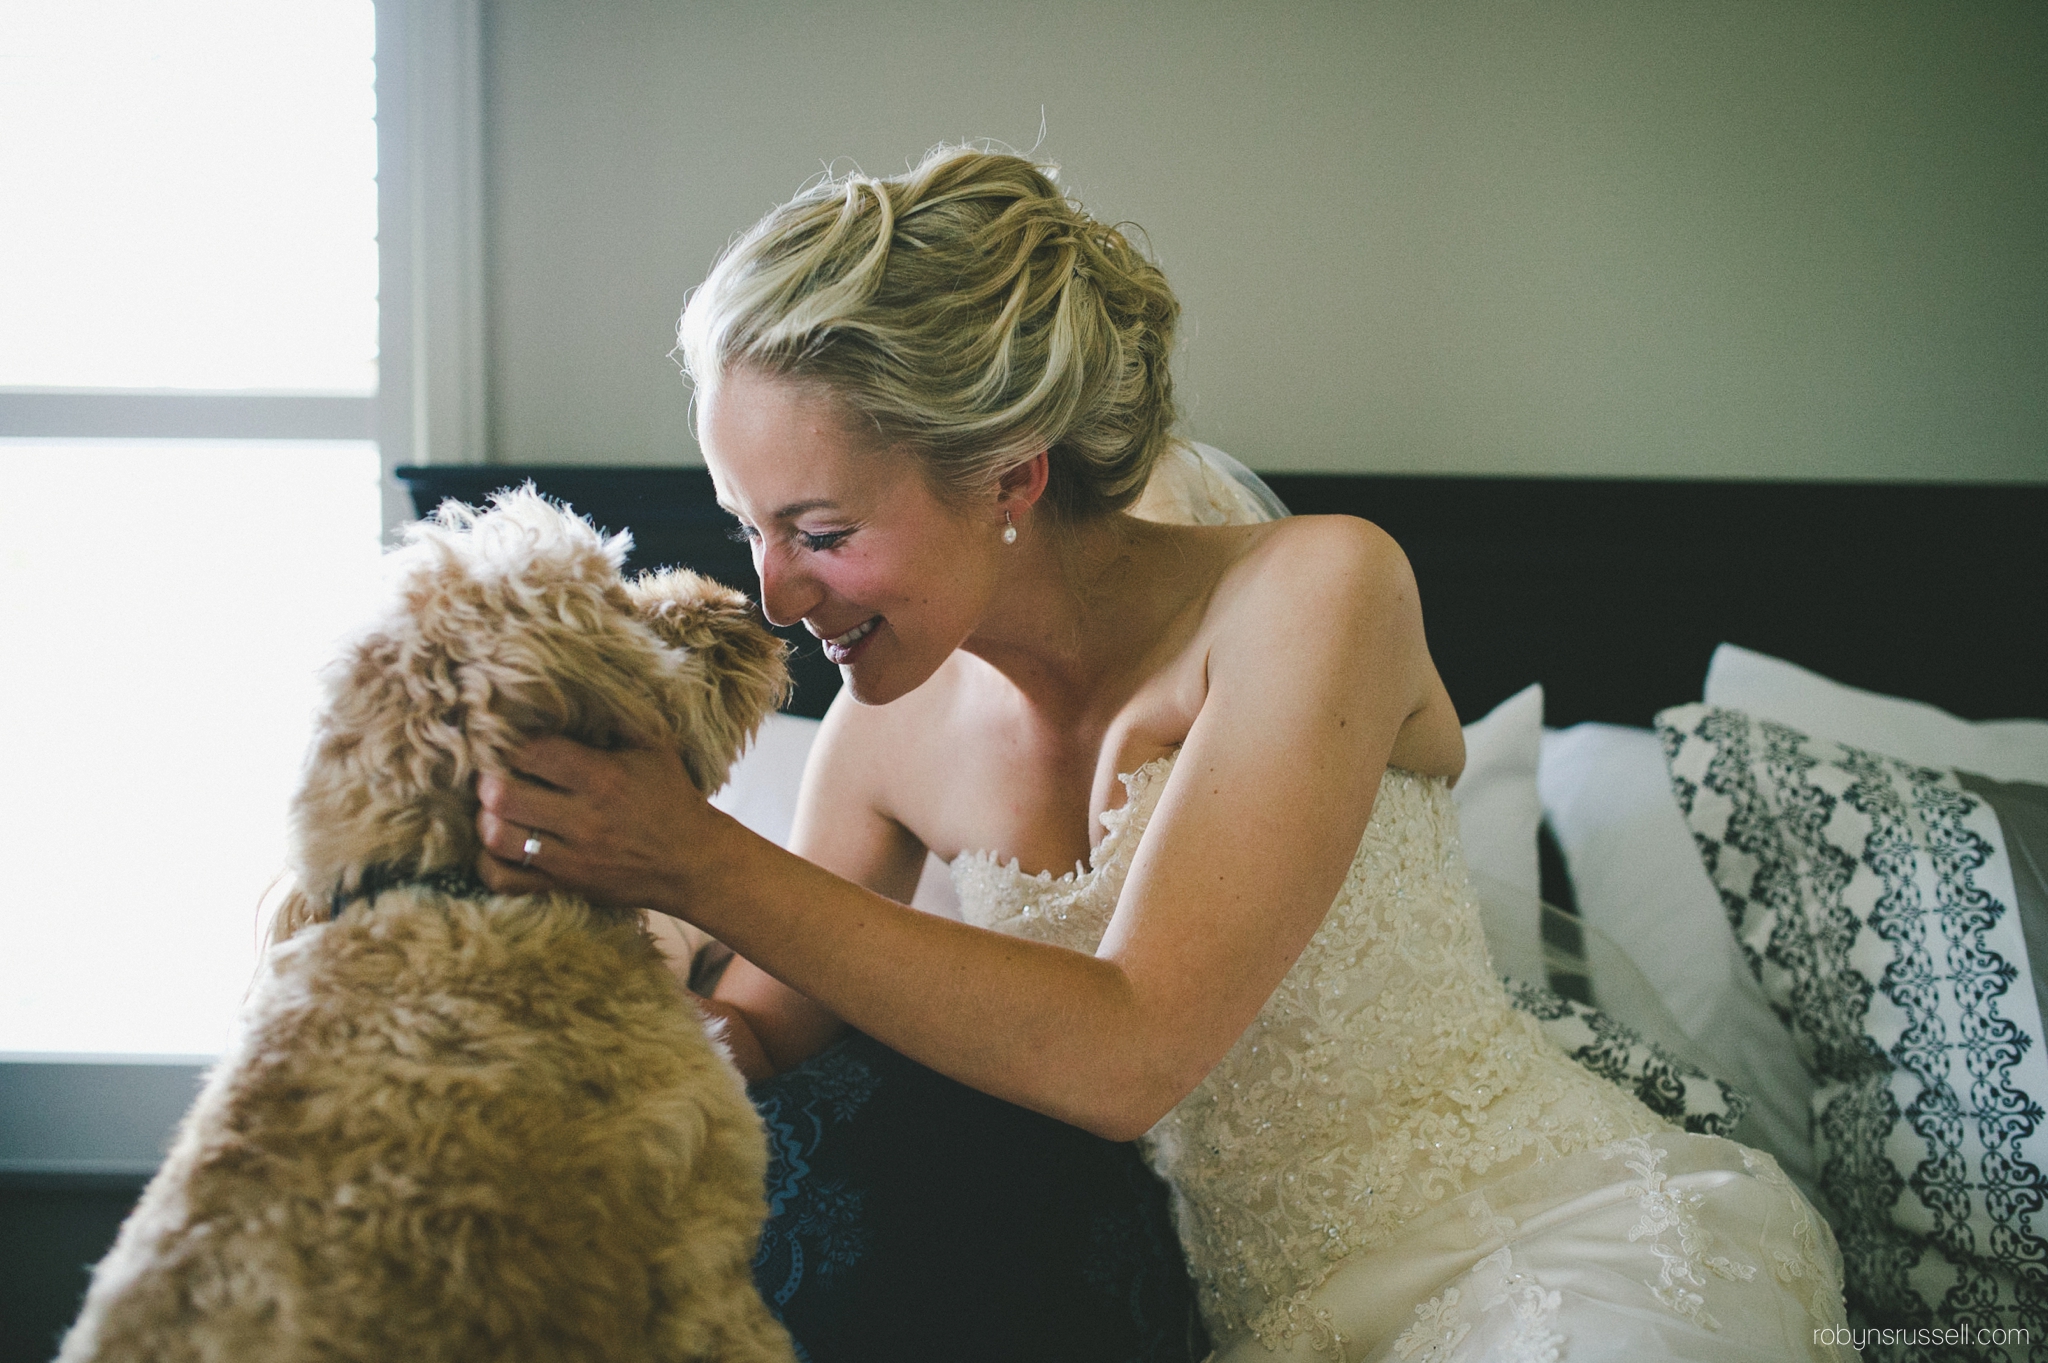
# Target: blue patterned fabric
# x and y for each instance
(1874, 899)
(911, 1217)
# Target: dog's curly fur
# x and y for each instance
(457, 1125)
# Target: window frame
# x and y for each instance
(71, 1116)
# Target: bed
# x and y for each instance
(1892, 618)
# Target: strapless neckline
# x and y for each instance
(1120, 825)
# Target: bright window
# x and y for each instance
(189, 209)
(190, 195)
(165, 609)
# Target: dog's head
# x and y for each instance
(505, 625)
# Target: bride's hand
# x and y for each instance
(613, 827)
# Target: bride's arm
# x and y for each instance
(838, 827)
(1317, 661)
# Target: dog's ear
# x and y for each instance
(735, 673)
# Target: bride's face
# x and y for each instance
(847, 535)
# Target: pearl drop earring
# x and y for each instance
(1009, 530)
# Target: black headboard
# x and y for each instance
(1612, 593)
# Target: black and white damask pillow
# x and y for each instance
(1874, 900)
(1672, 1088)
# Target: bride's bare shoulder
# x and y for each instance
(1327, 606)
(1314, 562)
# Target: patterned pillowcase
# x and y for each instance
(1670, 1087)
(1874, 900)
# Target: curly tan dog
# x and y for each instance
(456, 1125)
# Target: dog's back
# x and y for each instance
(453, 1129)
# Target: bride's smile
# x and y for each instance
(847, 534)
(840, 647)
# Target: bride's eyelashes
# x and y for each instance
(816, 541)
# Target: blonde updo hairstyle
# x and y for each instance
(967, 310)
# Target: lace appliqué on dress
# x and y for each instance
(1814, 1266)
(1535, 1311)
(1685, 1266)
(1441, 1323)
(1439, 1328)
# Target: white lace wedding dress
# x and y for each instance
(1394, 1164)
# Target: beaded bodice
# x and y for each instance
(1386, 1074)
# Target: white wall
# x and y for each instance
(1791, 239)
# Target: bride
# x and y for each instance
(930, 402)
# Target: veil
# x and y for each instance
(1196, 484)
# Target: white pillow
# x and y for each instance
(1498, 808)
(1638, 880)
(1909, 730)
(761, 792)
(1498, 814)
(1633, 869)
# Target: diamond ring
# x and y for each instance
(531, 848)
